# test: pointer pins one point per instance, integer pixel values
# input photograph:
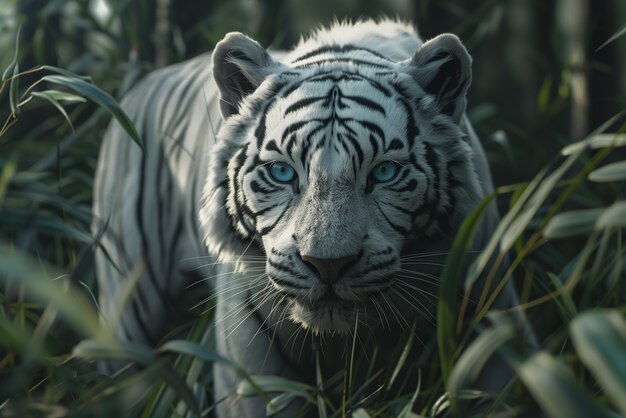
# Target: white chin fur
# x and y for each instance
(323, 318)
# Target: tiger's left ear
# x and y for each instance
(240, 65)
(442, 67)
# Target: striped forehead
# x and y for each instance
(335, 114)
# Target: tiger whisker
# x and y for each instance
(396, 313)
(275, 305)
(401, 283)
(425, 312)
(422, 263)
(251, 301)
(246, 286)
(204, 279)
(235, 310)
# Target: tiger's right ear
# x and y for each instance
(240, 65)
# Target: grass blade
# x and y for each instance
(72, 306)
(613, 217)
(600, 340)
(555, 390)
(572, 223)
(451, 283)
(276, 384)
(54, 98)
(620, 32)
(474, 358)
(101, 98)
(610, 172)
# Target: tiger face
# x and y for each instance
(339, 165)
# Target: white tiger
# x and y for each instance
(334, 177)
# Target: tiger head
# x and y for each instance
(342, 166)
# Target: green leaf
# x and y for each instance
(14, 85)
(10, 70)
(555, 390)
(278, 403)
(92, 349)
(451, 282)
(620, 32)
(101, 98)
(197, 351)
(321, 405)
(518, 226)
(474, 359)
(53, 97)
(360, 413)
(275, 384)
(407, 412)
(598, 140)
(572, 223)
(72, 306)
(610, 172)
(97, 350)
(403, 356)
(613, 217)
(60, 96)
(600, 340)
(486, 255)
(66, 73)
(569, 306)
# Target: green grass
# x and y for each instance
(562, 228)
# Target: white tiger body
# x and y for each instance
(313, 254)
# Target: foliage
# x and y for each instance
(562, 228)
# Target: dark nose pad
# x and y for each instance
(328, 269)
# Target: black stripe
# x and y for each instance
(395, 144)
(258, 188)
(269, 228)
(139, 319)
(259, 132)
(285, 269)
(301, 104)
(291, 129)
(409, 187)
(265, 179)
(152, 276)
(234, 192)
(374, 145)
(338, 48)
(264, 211)
(401, 230)
(372, 127)
(433, 162)
(377, 266)
(357, 148)
(411, 127)
(285, 283)
(400, 209)
(369, 104)
(271, 146)
(332, 76)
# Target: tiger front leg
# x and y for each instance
(244, 336)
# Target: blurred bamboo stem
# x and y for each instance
(572, 20)
(162, 32)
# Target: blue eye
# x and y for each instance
(384, 172)
(282, 172)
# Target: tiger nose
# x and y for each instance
(328, 269)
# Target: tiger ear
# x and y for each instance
(240, 65)
(442, 67)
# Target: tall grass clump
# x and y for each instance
(560, 240)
